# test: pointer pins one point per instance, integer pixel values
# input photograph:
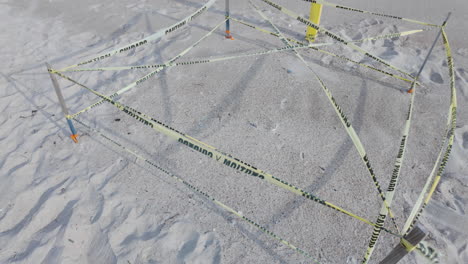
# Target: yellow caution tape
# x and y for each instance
(219, 156)
(148, 76)
(391, 35)
(450, 134)
(300, 46)
(201, 60)
(384, 36)
(344, 119)
(398, 163)
(282, 9)
(197, 190)
(265, 31)
(241, 166)
(334, 36)
(408, 246)
(393, 181)
(146, 40)
(370, 12)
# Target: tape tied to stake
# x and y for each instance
(241, 166)
(352, 9)
(391, 35)
(421, 203)
(346, 123)
(219, 156)
(334, 36)
(407, 245)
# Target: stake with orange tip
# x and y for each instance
(228, 31)
(74, 135)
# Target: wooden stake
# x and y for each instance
(406, 245)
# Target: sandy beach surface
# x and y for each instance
(92, 202)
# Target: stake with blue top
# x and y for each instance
(228, 30)
(74, 134)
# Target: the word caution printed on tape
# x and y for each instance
(246, 169)
(429, 189)
(334, 36)
(313, 47)
(383, 36)
(151, 74)
(146, 40)
(197, 190)
(381, 219)
(339, 111)
(264, 52)
(347, 8)
(309, 23)
(400, 158)
(221, 157)
(439, 166)
(202, 60)
(170, 63)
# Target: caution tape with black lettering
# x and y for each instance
(340, 113)
(199, 191)
(422, 202)
(347, 8)
(334, 36)
(385, 36)
(147, 76)
(228, 160)
(399, 161)
(201, 60)
(146, 40)
(219, 156)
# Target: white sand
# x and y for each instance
(62, 202)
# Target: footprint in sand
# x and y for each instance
(436, 77)
(182, 243)
(465, 140)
